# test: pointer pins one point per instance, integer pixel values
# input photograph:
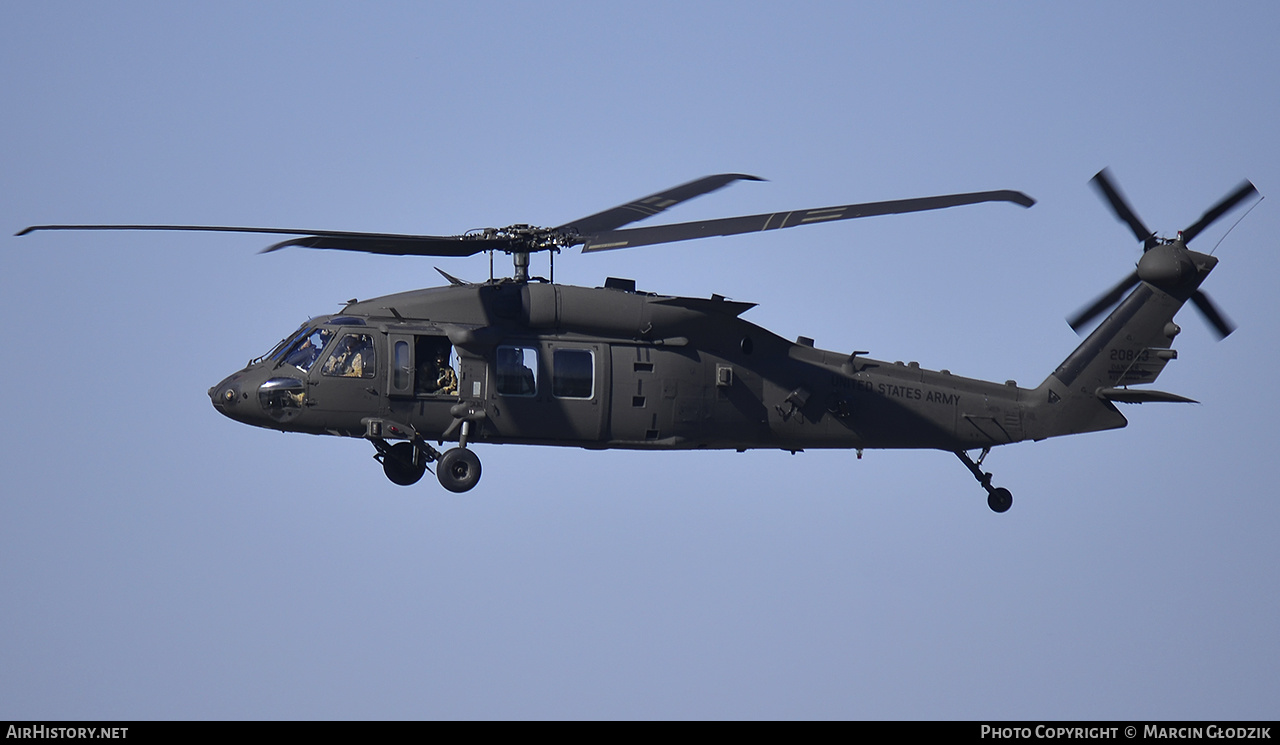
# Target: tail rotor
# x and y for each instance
(1165, 263)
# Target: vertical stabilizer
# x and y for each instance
(1130, 347)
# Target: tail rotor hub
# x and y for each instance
(1167, 266)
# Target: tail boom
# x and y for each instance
(1130, 347)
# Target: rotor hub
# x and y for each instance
(527, 239)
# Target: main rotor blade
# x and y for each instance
(651, 205)
(1107, 300)
(1214, 316)
(687, 231)
(1242, 192)
(395, 244)
(1102, 182)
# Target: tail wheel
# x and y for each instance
(1000, 500)
(458, 470)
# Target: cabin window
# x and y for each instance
(402, 366)
(352, 357)
(573, 374)
(517, 371)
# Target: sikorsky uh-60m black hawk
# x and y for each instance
(525, 360)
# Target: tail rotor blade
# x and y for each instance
(1113, 296)
(1220, 323)
(1242, 192)
(1102, 182)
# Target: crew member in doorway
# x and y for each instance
(446, 378)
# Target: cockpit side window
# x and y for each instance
(352, 357)
(306, 350)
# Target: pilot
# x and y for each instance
(446, 378)
(358, 357)
(347, 361)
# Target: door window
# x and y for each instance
(573, 374)
(352, 357)
(401, 366)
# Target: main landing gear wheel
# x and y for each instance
(1000, 499)
(402, 464)
(458, 470)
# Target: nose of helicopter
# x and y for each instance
(227, 396)
(258, 397)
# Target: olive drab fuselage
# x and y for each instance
(547, 364)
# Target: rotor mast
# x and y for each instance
(523, 240)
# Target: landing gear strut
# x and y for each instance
(404, 463)
(999, 499)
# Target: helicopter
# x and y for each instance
(524, 360)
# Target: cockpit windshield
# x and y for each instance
(281, 345)
(287, 344)
(306, 349)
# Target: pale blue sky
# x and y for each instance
(160, 561)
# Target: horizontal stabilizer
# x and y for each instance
(1140, 396)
